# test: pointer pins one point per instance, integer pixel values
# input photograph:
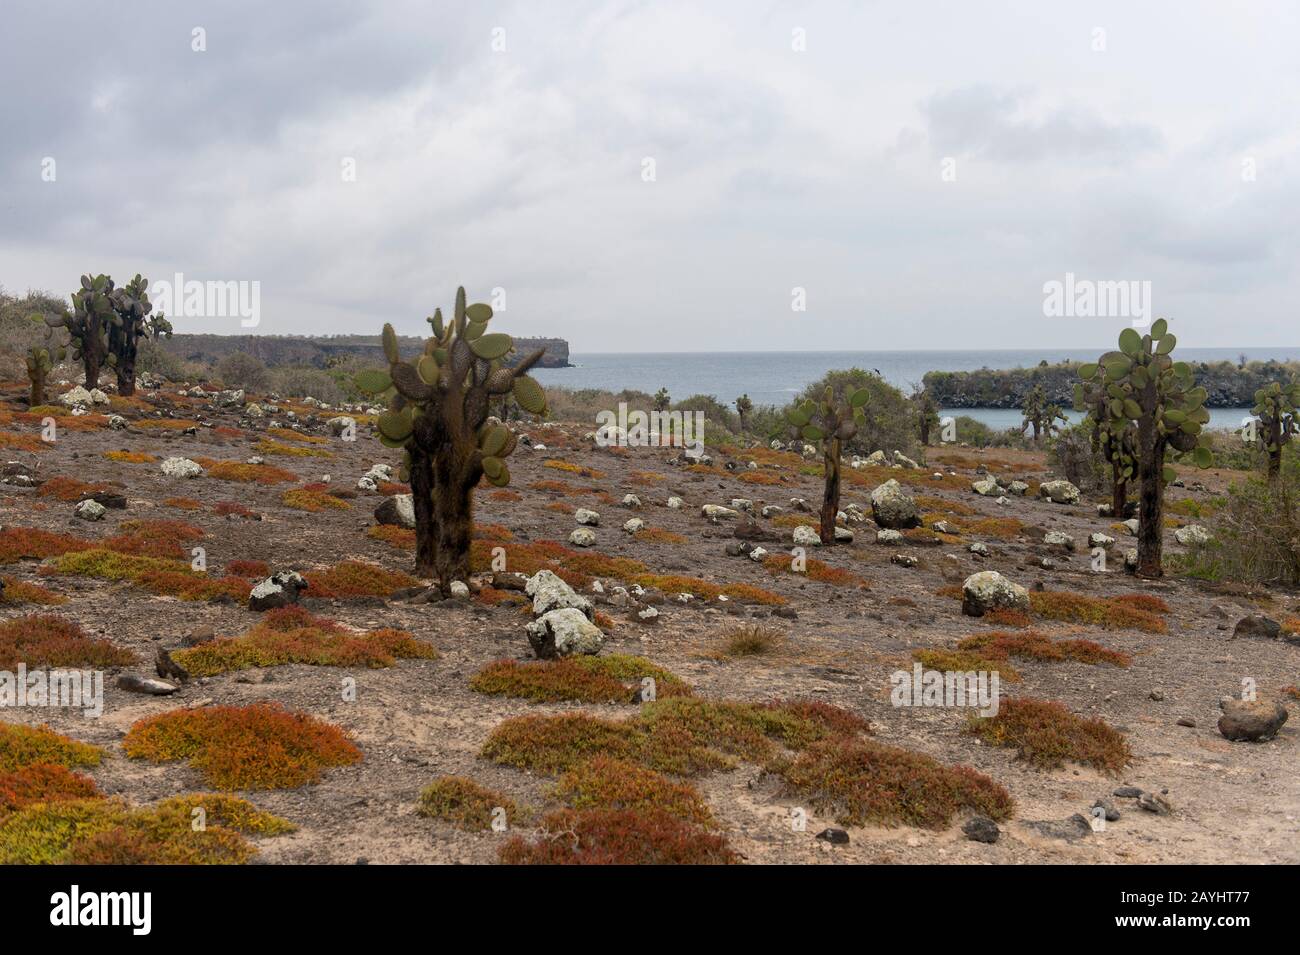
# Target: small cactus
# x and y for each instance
(829, 424)
(743, 407)
(1114, 437)
(1143, 385)
(927, 414)
(1278, 410)
(1040, 414)
(662, 400)
(438, 413)
(39, 365)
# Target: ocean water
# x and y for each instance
(774, 378)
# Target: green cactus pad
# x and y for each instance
(492, 346)
(529, 394)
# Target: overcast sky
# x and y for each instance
(821, 168)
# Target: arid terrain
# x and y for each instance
(840, 637)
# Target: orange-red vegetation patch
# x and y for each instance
(131, 457)
(292, 635)
(21, 592)
(68, 489)
(227, 432)
(614, 678)
(393, 488)
(647, 477)
(312, 499)
(399, 537)
(606, 783)
(619, 837)
(578, 469)
(11, 441)
(19, 542)
(288, 434)
(42, 783)
(761, 477)
(1033, 645)
(262, 746)
(158, 575)
(863, 782)
(22, 746)
(232, 509)
(814, 570)
(165, 538)
(167, 424)
(1046, 734)
(53, 641)
(559, 507)
(657, 535)
(183, 503)
(506, 495)
(492, 597)
(1006, 617)
(242, 471)
(1002, 528)
(353, 578)
(248, 568)
(1111, 613)
(465, 804)
(493, 532)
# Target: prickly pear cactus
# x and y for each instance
(1039, 413)
(662, 400)
(438, 414)
(927, 414)
(743, 407)
(39, 365)
(87, 324)
(828, 424)
(131, 321)
(1114, 438)
(1142, 384)
(1276, 407)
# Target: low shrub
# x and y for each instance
(1046, 734)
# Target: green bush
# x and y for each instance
(890, 417)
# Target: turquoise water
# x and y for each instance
(773, 378)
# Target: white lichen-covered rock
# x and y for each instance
(1130, 560)
(1059, 492)
(770, 510)
(98, 397)
(889, 537)
(89, 510)
(893, 507)
(181, 468)
(278, 590)
(634, 525)
(980, 548)
(1097, 539)
(549, 593)
(341, 424)
(989, 590)
(805, 536)
(945, 527)
(1131, 525)
(586, 516)
(1017, 488)
(903, 460)
(876, 459)
(844, 535)
(631, 500)
(742, 504)
(582, 537)
(378, 474)
(757, 554)
(1059, 539)
(716, 512)
(229, 399)
(648, 615)
(458, 588)
(676, 503)
(74, 397)
(397, 510)
(563, 632)
(117, 422)
(1192, 534)
(254, 411)
(986, 487)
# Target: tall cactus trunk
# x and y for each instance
(831, 493)
(92, 362)
(925, 431)
(426, 530)
(126, 375)
(36, 396)
(1151, 531)
(453, 512)
(1118, 496)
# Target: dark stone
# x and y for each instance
(1128, 792)
(1251, 721)
(1156, 803)
(982, 829)
(1108, 807)
(108, 499)
(1257, 625)
(787, 613)
(836, 837)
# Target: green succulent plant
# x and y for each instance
(40, 362)
(1114, 438)
(927, 414)
(828, 424)
(438, 415)
(1040, 414)
(743, 407)
(1278, 410)
(1143, 385)
(662, 400)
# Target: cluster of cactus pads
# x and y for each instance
(1143, 386)
(1114, 438)
(40, 362)
(438, 413)
(829, 424)
(1279, 418)
(1039, 413)
(106, 324)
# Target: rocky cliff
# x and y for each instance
(317, 351)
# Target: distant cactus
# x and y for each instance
(1143, 385)
(1040, 414)
(829, 424)
(39, 365)
(662, 400)
(927, 414)
(1114, 438)
(105, 325)
(1279, 418)
(438, 413)
(743, 407)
